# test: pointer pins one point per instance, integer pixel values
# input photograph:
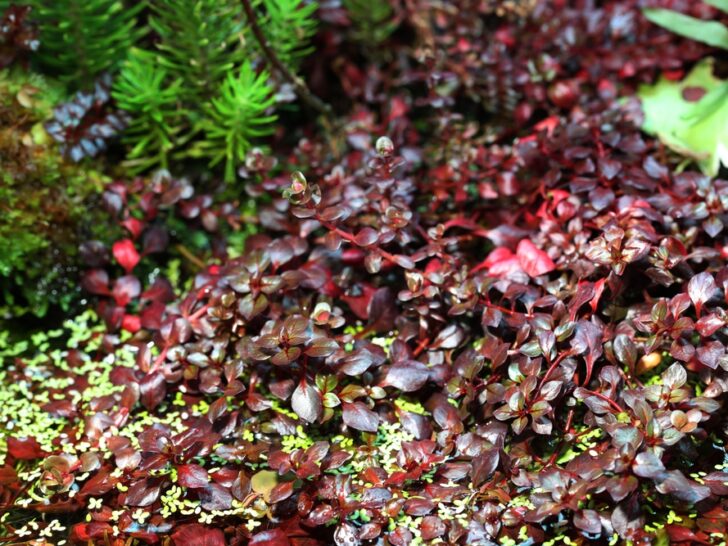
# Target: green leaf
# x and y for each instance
(720, 4)
(288, 26)
(709, 32)
(697, 129)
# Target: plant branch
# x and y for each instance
(302, 89)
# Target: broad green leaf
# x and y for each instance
(709, 32)
(697, 129)
(720, 4)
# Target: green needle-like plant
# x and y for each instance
(237, 116)
(144, 89)
(372, 20)
(81, 39)
(197, 94)
(289, 26)
(201, 41)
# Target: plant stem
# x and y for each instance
(302, 89)
(191, 257)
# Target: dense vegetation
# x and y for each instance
(387, 272)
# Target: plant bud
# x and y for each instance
(385, 146)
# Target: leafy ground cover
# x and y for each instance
(412, 273)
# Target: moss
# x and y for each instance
(43, 200)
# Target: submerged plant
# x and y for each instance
(503, 323)
(143, 90)
(18, 37)
(44, 201)
(691, 116)
(238, 116)
(83, 126)
(82, 39)
(198, 95)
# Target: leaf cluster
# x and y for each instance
(462, 333)
(43, 199)
(372, 21)
(200, 92)
(82, 39)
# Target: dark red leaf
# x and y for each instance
(366, 237)
(142, 493)
(194, 534)
(96, 281)
(192, 475)
(153, 390)
(306, 402)
(407, 376)
(700, 289)
(215, 497)
(358, 416)
(274, 537)
(24, 449)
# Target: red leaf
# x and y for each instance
(360, 417)
(215, 497)
(501, 262)
(700, 289)
(153, 389)
(131, 323)
(125, 289)
(306, 402)
(275, 537)
(192, 475)
(100, 484)
(142, 493)
(533, 260)
(405, 262)
(281, 492)
(195, 534)
(366, 237)
(134, 226)
(407, 376)
(126, 254)
(155, 239)
(96, 281)
(26, 449)
(360, 304)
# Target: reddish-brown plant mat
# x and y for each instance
(383, 272)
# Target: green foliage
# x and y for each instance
(185, 98)
(712, 33)
(144, 89)
(697, 129)
(43, 200)
(236, 117)
(200, 41)
(720, 4)
(371, 20)
(288, 25)
(80, 39)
